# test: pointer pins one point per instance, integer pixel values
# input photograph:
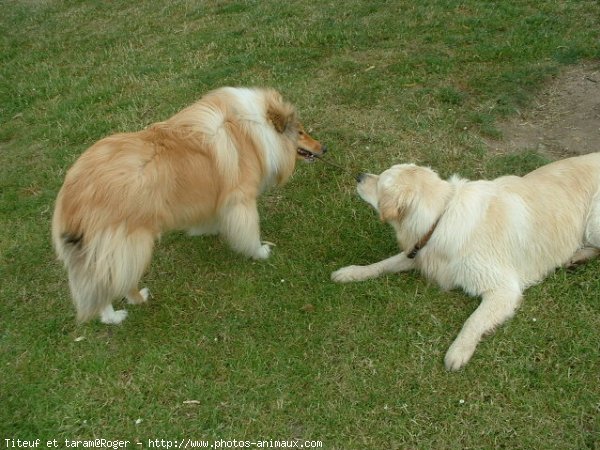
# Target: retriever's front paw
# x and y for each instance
(348, 274)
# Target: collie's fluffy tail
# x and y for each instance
(102, 265)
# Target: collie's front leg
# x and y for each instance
(394, 264)
(240, 227)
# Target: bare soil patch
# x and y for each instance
(564, 119)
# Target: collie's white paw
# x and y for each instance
(111, 317)
(137, 297)
(348, 274)
(263, 252)
(145, 293)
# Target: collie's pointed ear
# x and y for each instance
(280, 113)
(279, 120)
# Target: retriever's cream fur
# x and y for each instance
(493, 239)
(201, 170)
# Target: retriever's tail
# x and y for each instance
(102, 265)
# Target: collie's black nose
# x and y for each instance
(360, 177)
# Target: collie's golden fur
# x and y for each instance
(201, 170)
(491, 238)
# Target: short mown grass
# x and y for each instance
(274, 350)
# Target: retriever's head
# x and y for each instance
(398, 191)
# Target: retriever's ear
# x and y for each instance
(393, 204)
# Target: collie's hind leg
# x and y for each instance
(241, 229)
(496, 307)
(136, 297)
(111, 317)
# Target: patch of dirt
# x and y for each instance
(564, 120)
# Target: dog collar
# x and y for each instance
(423, 241)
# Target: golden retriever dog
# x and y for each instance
(491, 238)
(201, 170)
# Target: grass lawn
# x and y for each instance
(234, 349)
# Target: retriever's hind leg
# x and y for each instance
(592, 237)
(496, 307)
(582, 255)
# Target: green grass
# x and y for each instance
(274, 350)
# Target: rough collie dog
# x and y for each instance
(201, 170)
(491, 238)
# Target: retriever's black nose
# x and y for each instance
(323, 149)
(360, 177)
